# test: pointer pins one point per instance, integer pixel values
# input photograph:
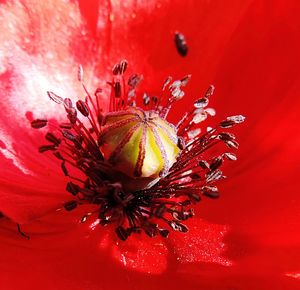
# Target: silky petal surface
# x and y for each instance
(247, 239)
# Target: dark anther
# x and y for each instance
(201, 103)
(117, 88)
(210, 191)
(164, 233)
(70, 205)
(232, 144)
(180, 143)
(146, 99)
(116, 69)
(46, 148)
(72, 115)
(22, 233)
(65, 126)
(194, 197)
(68, 104)
(203, 141)
(82, 108)
(237, 119)
(154, 99)
(195, 176)
(213, 175)
(151, 230)
(203, 164)
(231, 121)
(68, 135)
(225, 136)
(120, 68)
(209, 91)
(52, 138)
(72, 188)
(134, 80)
(123, 66)
(122, 233)
(227, 124)
(64, 168)
(39, 123)
(57, 99)
(230, 156)
(216, 163)
(180, 43)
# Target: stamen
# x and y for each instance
(166, 168)
(39, 123)
(53, 97)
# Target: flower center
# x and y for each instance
(143, 172)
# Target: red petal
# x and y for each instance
(249, 50)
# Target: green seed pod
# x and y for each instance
(139, 143)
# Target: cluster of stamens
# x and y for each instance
(136, 199)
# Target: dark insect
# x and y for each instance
(122, 233)
(180, 43)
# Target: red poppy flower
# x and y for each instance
(247, 239)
